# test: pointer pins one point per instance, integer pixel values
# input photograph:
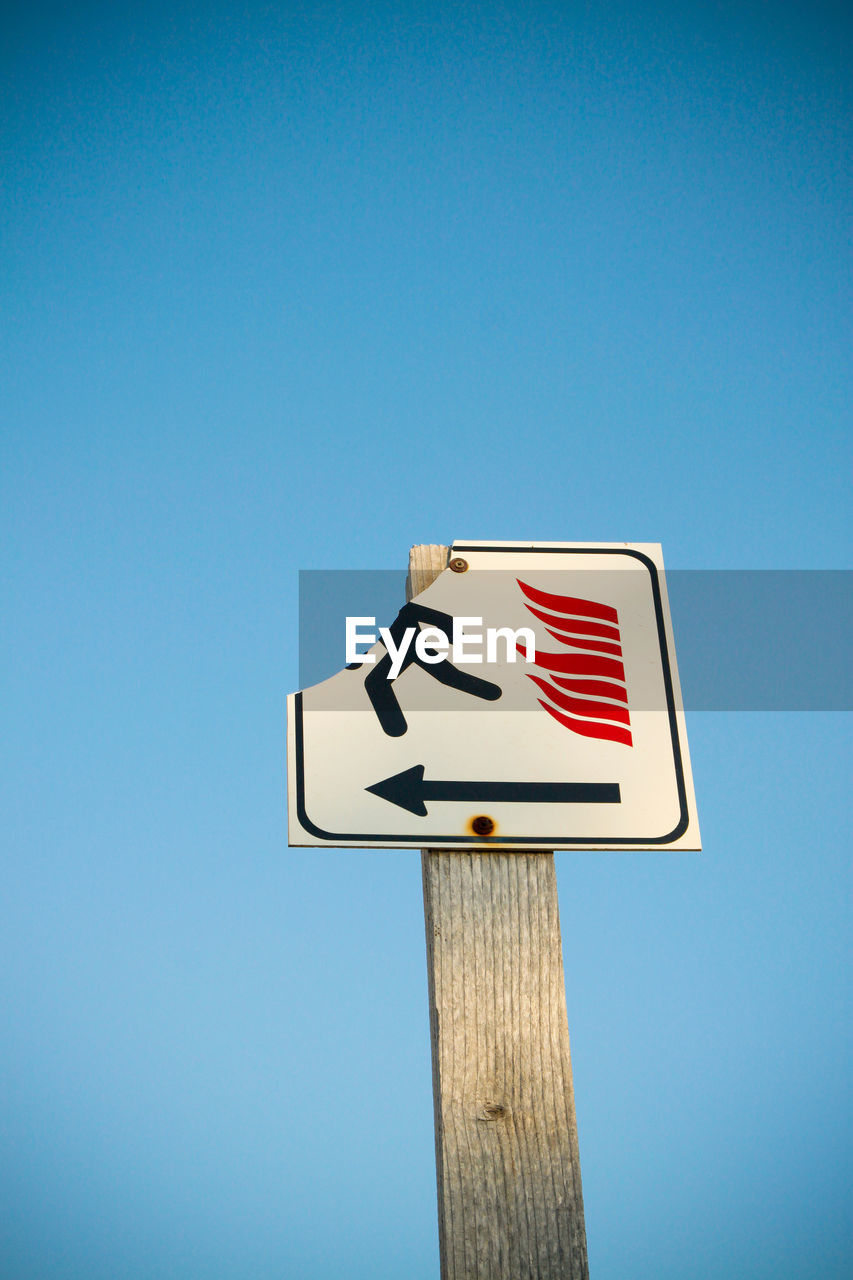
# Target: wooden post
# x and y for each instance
(509, 1188)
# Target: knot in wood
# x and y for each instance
(493, 1111)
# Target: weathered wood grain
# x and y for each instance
(510, 1205)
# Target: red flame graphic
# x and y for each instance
(590, 632)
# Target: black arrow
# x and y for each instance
(410, 791)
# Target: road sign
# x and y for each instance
(528, 698)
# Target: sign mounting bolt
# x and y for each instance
(458, 565)
(482, 825)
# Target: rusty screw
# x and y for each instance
(482, 825)
(458, 565)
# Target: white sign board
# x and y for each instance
(554, 722)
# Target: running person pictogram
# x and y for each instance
(380, 687)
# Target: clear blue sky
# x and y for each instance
(292, 287)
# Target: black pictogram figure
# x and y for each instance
(380, 689)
